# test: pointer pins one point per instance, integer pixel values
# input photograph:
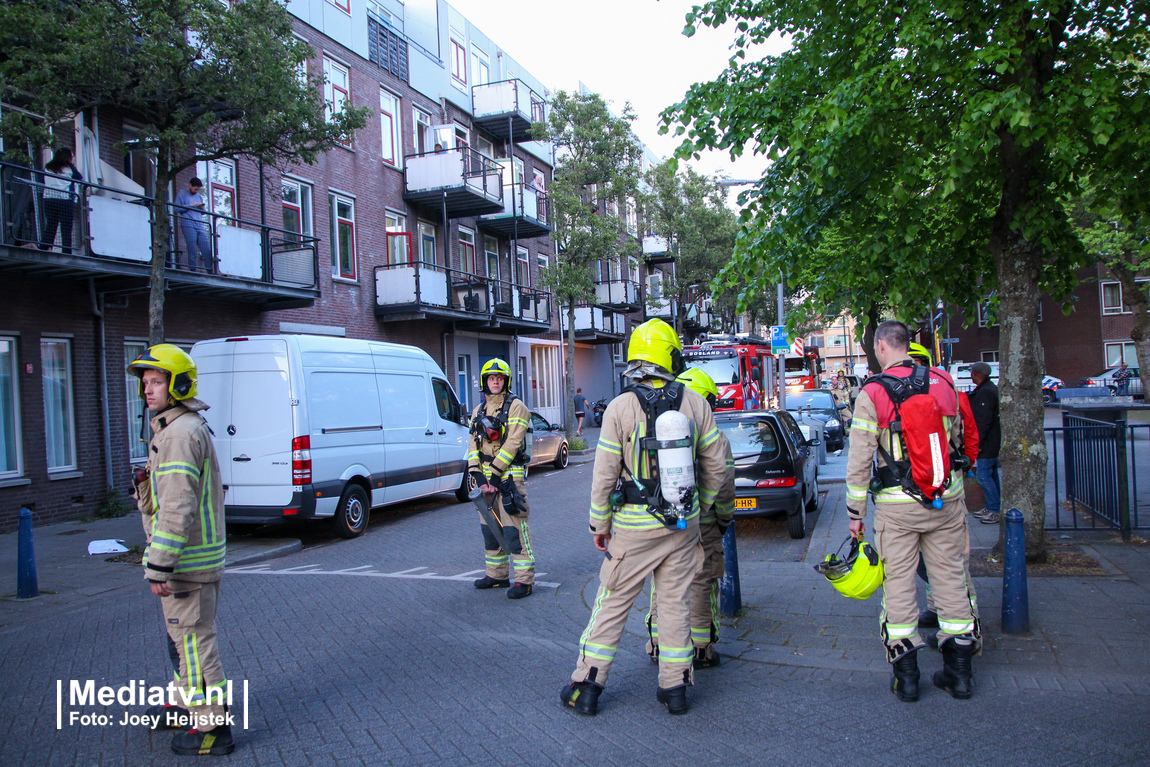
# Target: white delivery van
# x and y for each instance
(314, 426)
(960, 373)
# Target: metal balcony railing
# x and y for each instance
(620, 294)
(507, 108)
(526, 212)
(467, 182)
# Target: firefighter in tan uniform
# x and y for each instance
(713, 523)
(640, 531)
(181, 502)
(497, 458)
(906, 528)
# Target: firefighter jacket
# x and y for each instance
(873, 414)
(182, 500)
(619, 455)
(492, 459)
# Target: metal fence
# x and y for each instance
(1092, 479)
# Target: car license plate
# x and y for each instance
(745, 503)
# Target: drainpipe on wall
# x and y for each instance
(105, 426)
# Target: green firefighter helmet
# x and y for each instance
(173, 360)
(857, 576)
(497, 367)
(657, 342)
(697, 380)
(920, 354)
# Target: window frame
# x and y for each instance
(467, 260)
(343, 5)
(522, 267)
(305, 209)
(69, 401)
(990, 355)
(421, 130)
(1123, 345)
(330, 89)
(428, 232)
(134, 406)
(396, 223)
(458, 59)
(389, 128)
(336, 221)
(480, 62)
(14, 410)
(490, 255)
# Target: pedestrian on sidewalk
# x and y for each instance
(907, 527)
(580, 411)
(181, 500)
(984, 403)
(639, 530)
(1121, 377)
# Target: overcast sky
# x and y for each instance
(625, 50)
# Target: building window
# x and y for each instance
(139, 424)
(397, 247)
(392, 143)
(990, 356)
(485, 146)
(422, 125)
(545, 375)
(463, 380)
(521, 375)
(480, 67)
(342, 237)
(458, 58)
(1118, 352)
(139, 159)
(59, 420)
(491, 249)
(462, 137)
(343, 5)
(986, 317)
(296, 208)
(427, 243)
(10, 455)
(522, 267)
(222, 191)
(336, 90)
(543, 261)
(1112, 298)
(467, 261)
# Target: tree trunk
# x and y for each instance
(1135, 298)
(569, 416)
(868, 340)
(159, 250)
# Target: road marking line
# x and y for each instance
(353, 569)
(403, 575)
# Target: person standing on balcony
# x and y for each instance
(984, 403)
(60, 200)
(191, 217)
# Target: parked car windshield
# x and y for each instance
(818, 400)
(722, 371)
(751, 438)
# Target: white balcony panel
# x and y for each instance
(241, 254)
(395, 286)
(433, 171)
(653, 244)
(119, 229)
(495, 98)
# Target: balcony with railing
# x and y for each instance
(621, 295)
(699, 317)
(525, 213)
(596, 325)
(460, 181)
(506, 109)
(83, 230)
(414, 290)
(656, 250)
(662, 308)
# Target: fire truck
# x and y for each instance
(741, 366)
(803, 369)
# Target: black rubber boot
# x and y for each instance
(706, 657)
(169, 717)
(215, 742)
(928, 619)
(519, 590)
(904, 683)
(957, 675)
(581, 696)
(675, 699)
(487, 582)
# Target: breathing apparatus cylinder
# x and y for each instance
(676, 464)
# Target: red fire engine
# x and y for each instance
(742, 367)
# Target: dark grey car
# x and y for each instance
(820, 405)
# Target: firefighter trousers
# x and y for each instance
(498, 562)
(190, 617)
(903, 532)
(704, 596)
(672, 559)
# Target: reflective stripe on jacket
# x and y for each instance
(497, 456)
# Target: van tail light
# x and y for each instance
(301, 461)
(776, 482)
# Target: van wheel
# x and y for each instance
(561, 457)
(463, 492)
(796, 523)
(350, 518)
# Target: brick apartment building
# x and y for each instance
(431, 228)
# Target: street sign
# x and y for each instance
(779, 342)
(797, 347)
(948, 340)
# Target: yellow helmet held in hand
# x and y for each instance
(656, 342)
(495, 367)
(697, 380)
(173, 360)
(856, 576)
(920, 354)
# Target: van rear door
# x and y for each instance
(260, 424)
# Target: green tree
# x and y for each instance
(690, 210)
(205, 80)
(938, 136)
(597, 160)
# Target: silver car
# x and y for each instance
(1107, 379)
(548, 443)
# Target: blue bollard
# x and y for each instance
(26, 585)
(730, 595)
(1015, 601)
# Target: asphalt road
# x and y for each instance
(378, 651)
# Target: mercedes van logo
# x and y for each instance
(231, 429)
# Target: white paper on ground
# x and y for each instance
(108, 546)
